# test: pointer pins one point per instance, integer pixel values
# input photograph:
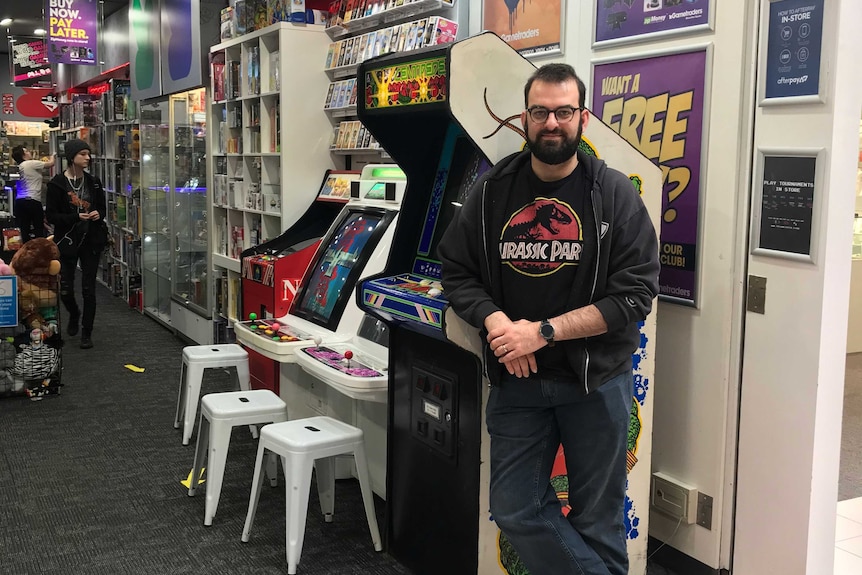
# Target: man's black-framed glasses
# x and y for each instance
(563, 114)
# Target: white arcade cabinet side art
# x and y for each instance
(482, 113)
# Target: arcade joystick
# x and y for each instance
(317, 341)
(275, 326)
(252, 316)
(434, 292)
(348, 355)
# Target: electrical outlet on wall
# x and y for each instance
(673, 498)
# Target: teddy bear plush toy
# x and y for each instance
(37, 263)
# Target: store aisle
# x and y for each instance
(90, 479)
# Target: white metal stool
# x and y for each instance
(220, 413)
(196, 360)
(303, 444)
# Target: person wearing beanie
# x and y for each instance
(29, 214)
(76, 205)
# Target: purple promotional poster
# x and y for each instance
(72, 31)
(656, 104)
(627, 19)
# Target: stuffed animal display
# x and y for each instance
(37, 264)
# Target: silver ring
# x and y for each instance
(505, 349)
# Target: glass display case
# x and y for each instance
(189, 285)
(174, 209)
(155, 217)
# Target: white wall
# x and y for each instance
(793, 377)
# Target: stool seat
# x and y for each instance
(213, 354)
(306, 444)
(312, 434)
(235, 404)
(220, 413)
(196, 360)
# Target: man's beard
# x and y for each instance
(555, 152)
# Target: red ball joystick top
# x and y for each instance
(275, 326)
(348, 355)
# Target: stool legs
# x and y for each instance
(325, 469)
(272, 468)
(200, 454)
(367, 497)
(194, 376)
(181, 396)
(297, 471)
(255, 492)
(219, 442)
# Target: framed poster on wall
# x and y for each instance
(791, 38)
(622, 21)
(657, 103)
(786, 198)
(533, 28)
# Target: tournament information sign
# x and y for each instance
(793, 51)
(787, 204)
(72, 28)
(621, 20)
(656, 104)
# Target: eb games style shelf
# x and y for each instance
(269, 143)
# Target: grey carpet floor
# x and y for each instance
(850, 480)
(90, 479)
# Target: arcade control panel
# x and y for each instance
(343, 362)
(433, 410)
(272, 330)
(407, 297)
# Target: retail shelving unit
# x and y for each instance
(119, 167)
(357, 36)
(269, 145)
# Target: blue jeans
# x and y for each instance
(527, 420)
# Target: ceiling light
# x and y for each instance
(39, 32)
(5, 21)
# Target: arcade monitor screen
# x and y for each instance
(339, 263)
(467, 165)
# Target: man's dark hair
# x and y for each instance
(18, 154)
(555, 74)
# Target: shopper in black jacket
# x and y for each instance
(76, 207)
(555, 258)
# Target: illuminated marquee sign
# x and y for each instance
(408, 84)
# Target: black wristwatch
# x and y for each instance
(546, 330)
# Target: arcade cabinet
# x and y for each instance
(465, 117)
(324, 314)
(271, 271)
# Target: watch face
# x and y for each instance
(547, 330)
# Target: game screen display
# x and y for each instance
(466, 167)
(336, 270)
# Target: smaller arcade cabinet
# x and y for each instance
(272, 271)
(357, 242)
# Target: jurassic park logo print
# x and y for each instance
(541, 238)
